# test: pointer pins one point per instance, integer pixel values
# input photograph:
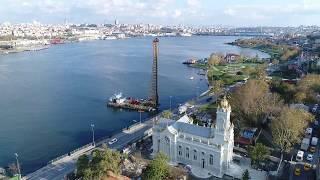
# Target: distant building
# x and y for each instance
(116, 22)
(205, 149)
(232, 58)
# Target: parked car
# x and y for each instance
(308, 132)
(297, 171)
(310, 157)
(305, 144)
(314, 141)
(299, 156)
(315, 107)
(307, 166)
(312, 149)
(114, 140)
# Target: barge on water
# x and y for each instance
(117, 101)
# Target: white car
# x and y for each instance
(310, 157)
(299, 156)
(114, 140)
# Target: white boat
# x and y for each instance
(191, 78)
(116, 97)
(185, 34)
(109, 37)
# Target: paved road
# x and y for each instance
(53, 171)
(57, 170)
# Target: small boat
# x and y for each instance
(191, 78)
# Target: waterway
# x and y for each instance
(49, 98)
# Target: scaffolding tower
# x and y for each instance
(154, 83)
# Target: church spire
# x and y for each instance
(224, 105)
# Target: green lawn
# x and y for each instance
(228, 73)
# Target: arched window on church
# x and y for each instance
(194, 154)
(180, 150)
(167, 140)
(187, 153)
(211, 159)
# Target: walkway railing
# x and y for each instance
(70, 153)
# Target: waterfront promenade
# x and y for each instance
(59, 168)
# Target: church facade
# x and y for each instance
(202, 148)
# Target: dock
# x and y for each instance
(147, 108)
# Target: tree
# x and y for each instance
(308, 89)
(167, 114)
(287, 91)
(259, 72)
(248, 70)
(217, 87)
(13, 169)
(158, 169)
(101, 163)
(215, 59)
(252, 102)
(82, 165)
(258, 153)
(246, 175)
(288, 128)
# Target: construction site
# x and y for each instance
(149, 104)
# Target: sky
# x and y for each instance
(165, 12)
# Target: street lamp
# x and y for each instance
(92, 129)
(170, 101)
(140, 114)
(18, 165)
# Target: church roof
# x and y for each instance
(192, 129)
(184, 125)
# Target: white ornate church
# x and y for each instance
(207, 149)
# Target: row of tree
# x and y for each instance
(254, 103)
(219, 59)
(306, 91)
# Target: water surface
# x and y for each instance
(49, 98)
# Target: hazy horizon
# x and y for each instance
(240, 13)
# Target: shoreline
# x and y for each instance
(23, 49)
(47, 46)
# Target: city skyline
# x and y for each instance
(188, 12)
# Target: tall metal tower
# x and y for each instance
(154, 84)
